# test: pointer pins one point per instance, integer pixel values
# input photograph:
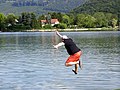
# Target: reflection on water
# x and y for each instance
(28, 61)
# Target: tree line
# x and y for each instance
(27, 21)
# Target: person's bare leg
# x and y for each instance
(76, 68)
(67, 64)
(80, 64)
(71, 63)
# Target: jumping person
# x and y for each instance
(73, 51)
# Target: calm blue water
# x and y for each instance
(28, 61)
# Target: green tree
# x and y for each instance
(85, 20)
(62, 26)
(108, 17)
(48, 26)
(72, 19)
(48, 18)
(34, 22)
(2, 22)
(101, 20)
(11, 19)
(80, 20)
(54, 15)
(42, 17)
(57, 15)
(26, 18)
(89, 21)
(29, 20)
(66, 19)
(114, 22)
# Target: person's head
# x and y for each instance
(64, 37)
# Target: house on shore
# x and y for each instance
(52, 22)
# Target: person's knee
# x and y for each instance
(67, 64)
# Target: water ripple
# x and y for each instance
(29, 62)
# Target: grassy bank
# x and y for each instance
(74, 30)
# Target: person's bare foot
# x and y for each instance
(74, 71)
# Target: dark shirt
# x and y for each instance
(70, 46)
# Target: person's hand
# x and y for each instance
(55, 46)
(57, 32)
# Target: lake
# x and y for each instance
(28, 61)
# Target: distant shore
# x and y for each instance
(74, 30)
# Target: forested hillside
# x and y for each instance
(38, 6)
(92, 6)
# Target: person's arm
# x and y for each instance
(58, 34)
(58, 45)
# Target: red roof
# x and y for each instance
(52, 21)
(44, 21)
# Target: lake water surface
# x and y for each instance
(28, 61)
